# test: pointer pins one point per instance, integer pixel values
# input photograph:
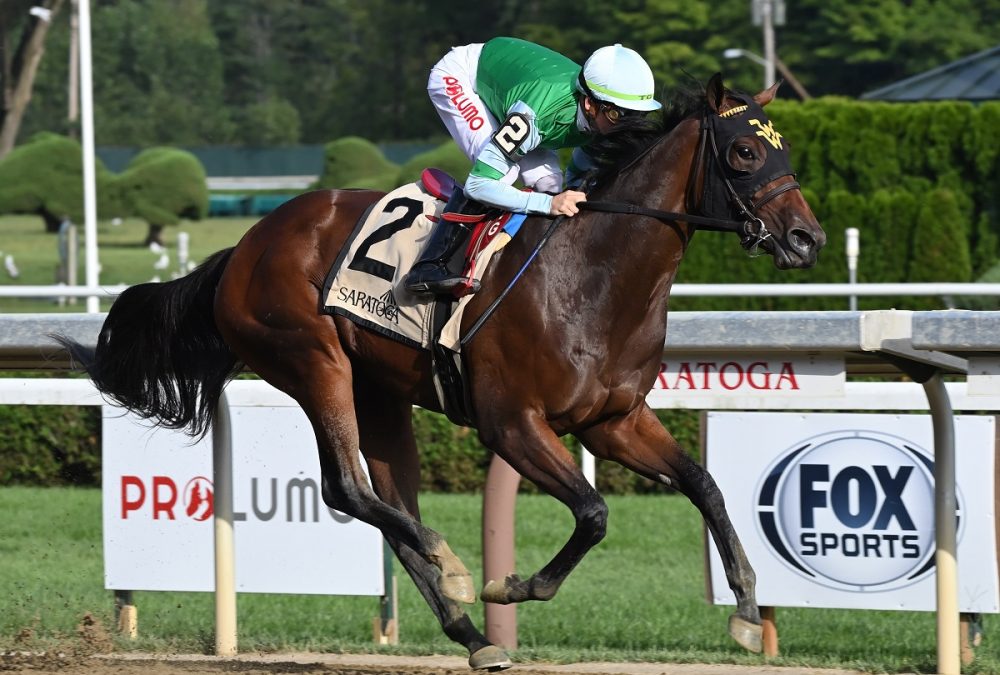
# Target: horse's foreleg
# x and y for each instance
(640, 443)
(393, 465)
(531, 447)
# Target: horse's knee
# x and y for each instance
(593, 519)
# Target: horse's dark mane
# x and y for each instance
(634, 135)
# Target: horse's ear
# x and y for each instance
(716, 92)
(766, 96)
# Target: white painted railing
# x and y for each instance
(682, 290)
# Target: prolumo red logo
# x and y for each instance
(199, 498)
(159, 496)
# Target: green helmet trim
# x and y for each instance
(617, 94)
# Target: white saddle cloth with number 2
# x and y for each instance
(365, 283)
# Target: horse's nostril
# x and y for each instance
(801, 240)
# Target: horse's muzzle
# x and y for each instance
(801, 245)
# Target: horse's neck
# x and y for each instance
(658, 179)
(650, 250)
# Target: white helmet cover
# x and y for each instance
(620, 76)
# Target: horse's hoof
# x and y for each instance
(496, 592)
(490, 658)
(458, 587)
(747, 634)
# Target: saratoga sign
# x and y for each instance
(684, 377)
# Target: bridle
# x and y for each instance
(718, 190)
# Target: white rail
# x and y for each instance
(685, 290)
(809, 290)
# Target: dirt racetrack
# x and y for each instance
(346, 664)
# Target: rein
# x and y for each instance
(703, 222)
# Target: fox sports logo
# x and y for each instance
(851, 510)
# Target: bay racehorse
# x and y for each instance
(573, 348)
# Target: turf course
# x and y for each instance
(638, 596)
(122, 256)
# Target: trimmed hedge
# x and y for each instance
(354, 162)
(44, 176)
(50, 445)
(447, 157)
(61, 445)
(162, 185)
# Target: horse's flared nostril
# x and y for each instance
(802, 241)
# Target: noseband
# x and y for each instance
(724, 189)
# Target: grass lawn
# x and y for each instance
(123, 257)
(638, 596)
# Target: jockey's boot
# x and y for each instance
(430, 274)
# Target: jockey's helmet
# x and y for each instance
(618, 75)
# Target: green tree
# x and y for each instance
(20, 57)
(274, 121)
(158, 75)
(845, 47)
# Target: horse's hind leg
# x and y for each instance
(640, 443)
(387, 442)
(313, 369)
(529, 445)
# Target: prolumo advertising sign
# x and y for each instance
(837, 510)
(158, 507)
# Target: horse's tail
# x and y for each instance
(159, 353)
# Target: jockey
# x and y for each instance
(510, 104)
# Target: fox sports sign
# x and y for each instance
(849, 497)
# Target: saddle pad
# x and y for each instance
(367, 278)
(365, 283)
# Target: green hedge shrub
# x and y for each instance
(44, 176)
(162, 186)
(447, 157)
(50, 445)
(354, 162)
(61, 445)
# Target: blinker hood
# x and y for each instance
(743, 120)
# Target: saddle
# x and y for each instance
(485, 225)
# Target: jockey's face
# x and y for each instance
(602, 116)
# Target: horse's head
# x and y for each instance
(747, 175)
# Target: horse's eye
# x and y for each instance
(744, 152)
